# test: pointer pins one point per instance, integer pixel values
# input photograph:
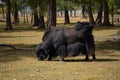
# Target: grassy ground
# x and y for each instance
(23, 65)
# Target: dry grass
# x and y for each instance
(23, 65)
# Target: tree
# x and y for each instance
(99, 15)
(16, 17)
(42, 11)
(106, 21)
(8, 16)
(111, 8)
(83, 10)
(67, 20)
(60, 6)
(114, 6)
(41, 22)
(2, 8)
(90, 14)
(35, 14)
(51, 17)
(39, 10)
(34, 6)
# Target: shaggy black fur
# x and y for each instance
(58, 41)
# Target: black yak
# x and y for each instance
(56, 41)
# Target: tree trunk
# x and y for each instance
(51, 17)
(90, 14)
(61, 13)
(26, 14)
(16, 18)
(99, 15)
(75, 13)
(3, 13)
(41, 23)
(83, 11)
(106, 21)
(112, 19)
(67, 20)
(112, 15)
(21, 11)
(36, 20)
(32, 17)
(8, 16)
(71, 13)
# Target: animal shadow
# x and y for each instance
(90, 60)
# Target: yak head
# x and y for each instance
(41, 53)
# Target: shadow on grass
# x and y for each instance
(20, 28)
(100, 28)
(15, 36)
(13, 55)
(8, 54)
(97, 60)
(113, 45)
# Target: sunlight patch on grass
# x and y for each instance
(25, 37)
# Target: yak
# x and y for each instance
(56, 42)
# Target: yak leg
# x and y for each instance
(93, 56)
(50, 58)
(90, 47)
(62, 52)
(87, 57)
(93, 53)
(87, 51)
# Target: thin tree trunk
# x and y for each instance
(71, 13)
(90, 14)
(24, 17)
(112, 19)
(83, 11)
(36, 20)
(41, 23)
(61, 13)
(3, 13)
(8, 16)
(67, 20)
(32, 17)
(106, 21)
(21, 13)
(75, 13)
(16, 19)
(112, 15)
(27, 14)
(51, 17)
(99, 15)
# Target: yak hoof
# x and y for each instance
(62, 59)
(86, 59)
(94, 59)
